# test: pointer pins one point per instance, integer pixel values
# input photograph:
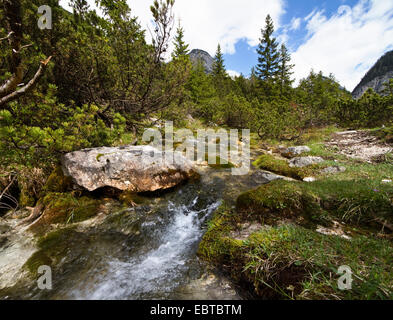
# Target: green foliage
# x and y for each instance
(38, 132)
(219, 71)
(268, 54)
(319, 97)
(181, 48)
(370, 110)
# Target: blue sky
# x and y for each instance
(342, 37)
(245, 55)
(294, 33)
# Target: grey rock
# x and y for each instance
(131, 168)
(295, 151)
(301, 162)
(334, 169)
(264, 177)
(200, 56)
(377, 76)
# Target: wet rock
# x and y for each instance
(131, 168)
(295, 151)
(334, 169)
(301, 162)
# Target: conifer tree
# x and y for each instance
(268, 54)
(218, 66)
(181, 48)
(285, 69)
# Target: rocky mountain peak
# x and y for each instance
(377, 76)
(207, 60)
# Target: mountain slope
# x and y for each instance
(197, 55)
(377, 76)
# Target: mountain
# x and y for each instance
(197, 55)
(377, 76)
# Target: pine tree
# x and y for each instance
(218, 66)
(285, 69)
(181, 48)
(269, 56)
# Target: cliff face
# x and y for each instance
(197, 55)
(377, 76)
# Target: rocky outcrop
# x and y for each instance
(200, 56)
(130, 168)
(377, 76)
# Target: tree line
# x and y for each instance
(94, 80)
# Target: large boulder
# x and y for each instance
(130, 168)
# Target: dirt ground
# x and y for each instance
(359, 145)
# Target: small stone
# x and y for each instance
(386, 181)
(309, 179)
(263, 177)
(301, 162)
(295, 151)
(334, 169)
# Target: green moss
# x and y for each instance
(279, 166)
(52, 248)
(65, 208)
(38, 259)
(26, 199)
(58, 182)
(293, 262)
(99, 156)
(287, 258)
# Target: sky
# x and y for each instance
(340, 37)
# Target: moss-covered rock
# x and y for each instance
(65, 208)
(281, 166)
(58, 182)
(288, 256)
(53, 248)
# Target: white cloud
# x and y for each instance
(348, 43)
(295, 23)
(233, 73)
(208, 22)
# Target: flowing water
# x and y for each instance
(146, 252)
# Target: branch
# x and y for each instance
(28, 86)
(8, 36)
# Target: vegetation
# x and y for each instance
(287, 239)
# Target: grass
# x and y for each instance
(287, 258)
(293, 261)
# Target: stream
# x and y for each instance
(146, 252)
